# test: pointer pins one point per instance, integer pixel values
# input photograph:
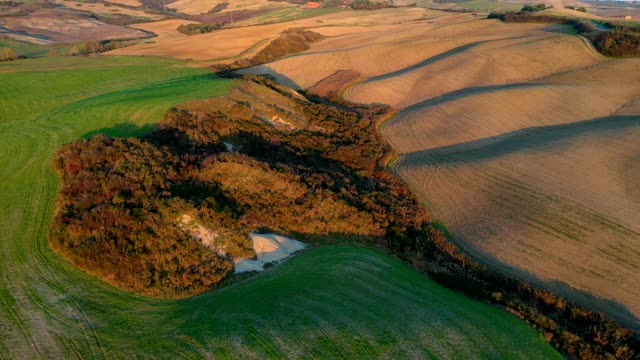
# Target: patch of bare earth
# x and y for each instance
(333, 84)
(59, 25)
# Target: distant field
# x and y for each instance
(228, 45)
(554, 200)
(614, 8)
(333, 302)
(287, 14)
(63, 26)
(472, 5)
(197, 7)
(521, 138)
(100, 8)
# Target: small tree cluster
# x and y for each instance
(535, 8)
(368, 5)
(193, 29)
(581, 9)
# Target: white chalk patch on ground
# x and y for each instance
(244, 265)
(279, 123)
(269, 248)
(199, 232)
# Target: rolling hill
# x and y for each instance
(338, 295)
(519, 137)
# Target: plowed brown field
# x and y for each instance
(521, 138)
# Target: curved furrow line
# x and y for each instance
(579, 209)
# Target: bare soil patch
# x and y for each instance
(332, 85)
(58, 25)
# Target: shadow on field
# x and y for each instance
(614, 310)
(531, 140)
(540, 137)
(122, 130)
(471, 91)
(266, 71)
(434, 59)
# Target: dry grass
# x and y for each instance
(520, 137)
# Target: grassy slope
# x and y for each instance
(25, 49)
(288, 14)
(473, 5)
(345, 301)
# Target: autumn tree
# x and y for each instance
(6, 54)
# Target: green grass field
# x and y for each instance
(329, 302)
(473, 5)
(288, 14)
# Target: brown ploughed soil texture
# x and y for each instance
(521, 138)
(59, 25)
(231, 44)
(333, 84)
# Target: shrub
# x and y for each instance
(192, 29)
(368, 5)
(219, 7)
(6, 54)
(621, 42)
(534, 8)
(581, 9)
